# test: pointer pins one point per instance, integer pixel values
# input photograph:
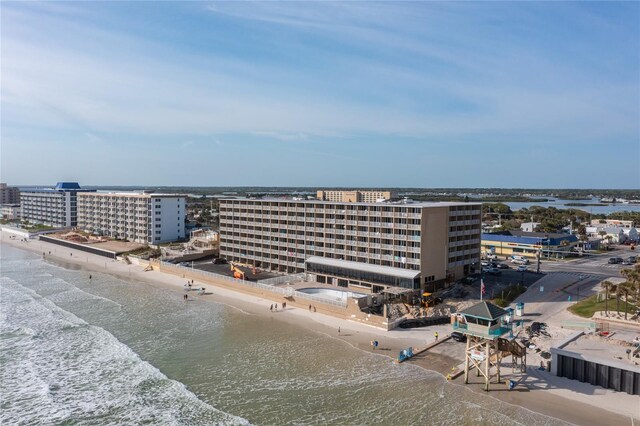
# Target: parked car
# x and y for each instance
(502, 266)
(458, 337)
(219, 261)
(484, 263)
(494, 271)
(522, 268)
(630, 260)
(467, 281)
(615, 260)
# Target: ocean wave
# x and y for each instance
(81, 373)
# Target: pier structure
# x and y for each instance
(484, 325)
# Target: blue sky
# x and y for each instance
(422, 94)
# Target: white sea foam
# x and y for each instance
(58, 368)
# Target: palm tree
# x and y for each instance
(624, 289)
(607, 286)
(609, 238)
(633, 281)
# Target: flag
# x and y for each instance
(482, 290)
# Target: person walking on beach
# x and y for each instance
(309, 308)
(314, 309)
(436, 334)
(89, 276)
(338, 331)
(276, 307)
(271, 307)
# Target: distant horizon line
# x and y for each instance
(330, 187)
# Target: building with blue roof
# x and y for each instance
(527, 244)
(56, 207)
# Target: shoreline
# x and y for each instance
(556, 402)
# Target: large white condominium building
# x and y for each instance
(55, 207)
(141, 217)
(361, 245)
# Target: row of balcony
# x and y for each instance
(474, 222)
(329, 239)
(289, 253)
(470, 241)
(464, 213)
(313, 223)
(333, 232)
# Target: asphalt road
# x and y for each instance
(592, 265)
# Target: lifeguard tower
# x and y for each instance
(485, 324)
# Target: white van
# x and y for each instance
(520, 260)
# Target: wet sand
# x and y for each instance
(578, 409)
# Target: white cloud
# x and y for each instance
(139, 86)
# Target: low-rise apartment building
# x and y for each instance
(146, 218)
(10, 211)
(56, 207)
(612, 223)
(368, 246)
(355, 196)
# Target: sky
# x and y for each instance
(337, 94)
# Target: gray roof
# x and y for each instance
(377, 269)
(485, 310)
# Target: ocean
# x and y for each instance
(107, 350)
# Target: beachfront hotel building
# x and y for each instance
(355, 196)
(364, 246)
(56, 207)
(141, 217)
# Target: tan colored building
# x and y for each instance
(140, 217)
(364, 246)
(355, 196)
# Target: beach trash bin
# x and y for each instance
(512, 384)
(549, 366)
(519, 309)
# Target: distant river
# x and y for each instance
(113, 351)
(593, 209)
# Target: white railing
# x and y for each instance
(285, 279)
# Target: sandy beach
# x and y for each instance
(561, 398)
